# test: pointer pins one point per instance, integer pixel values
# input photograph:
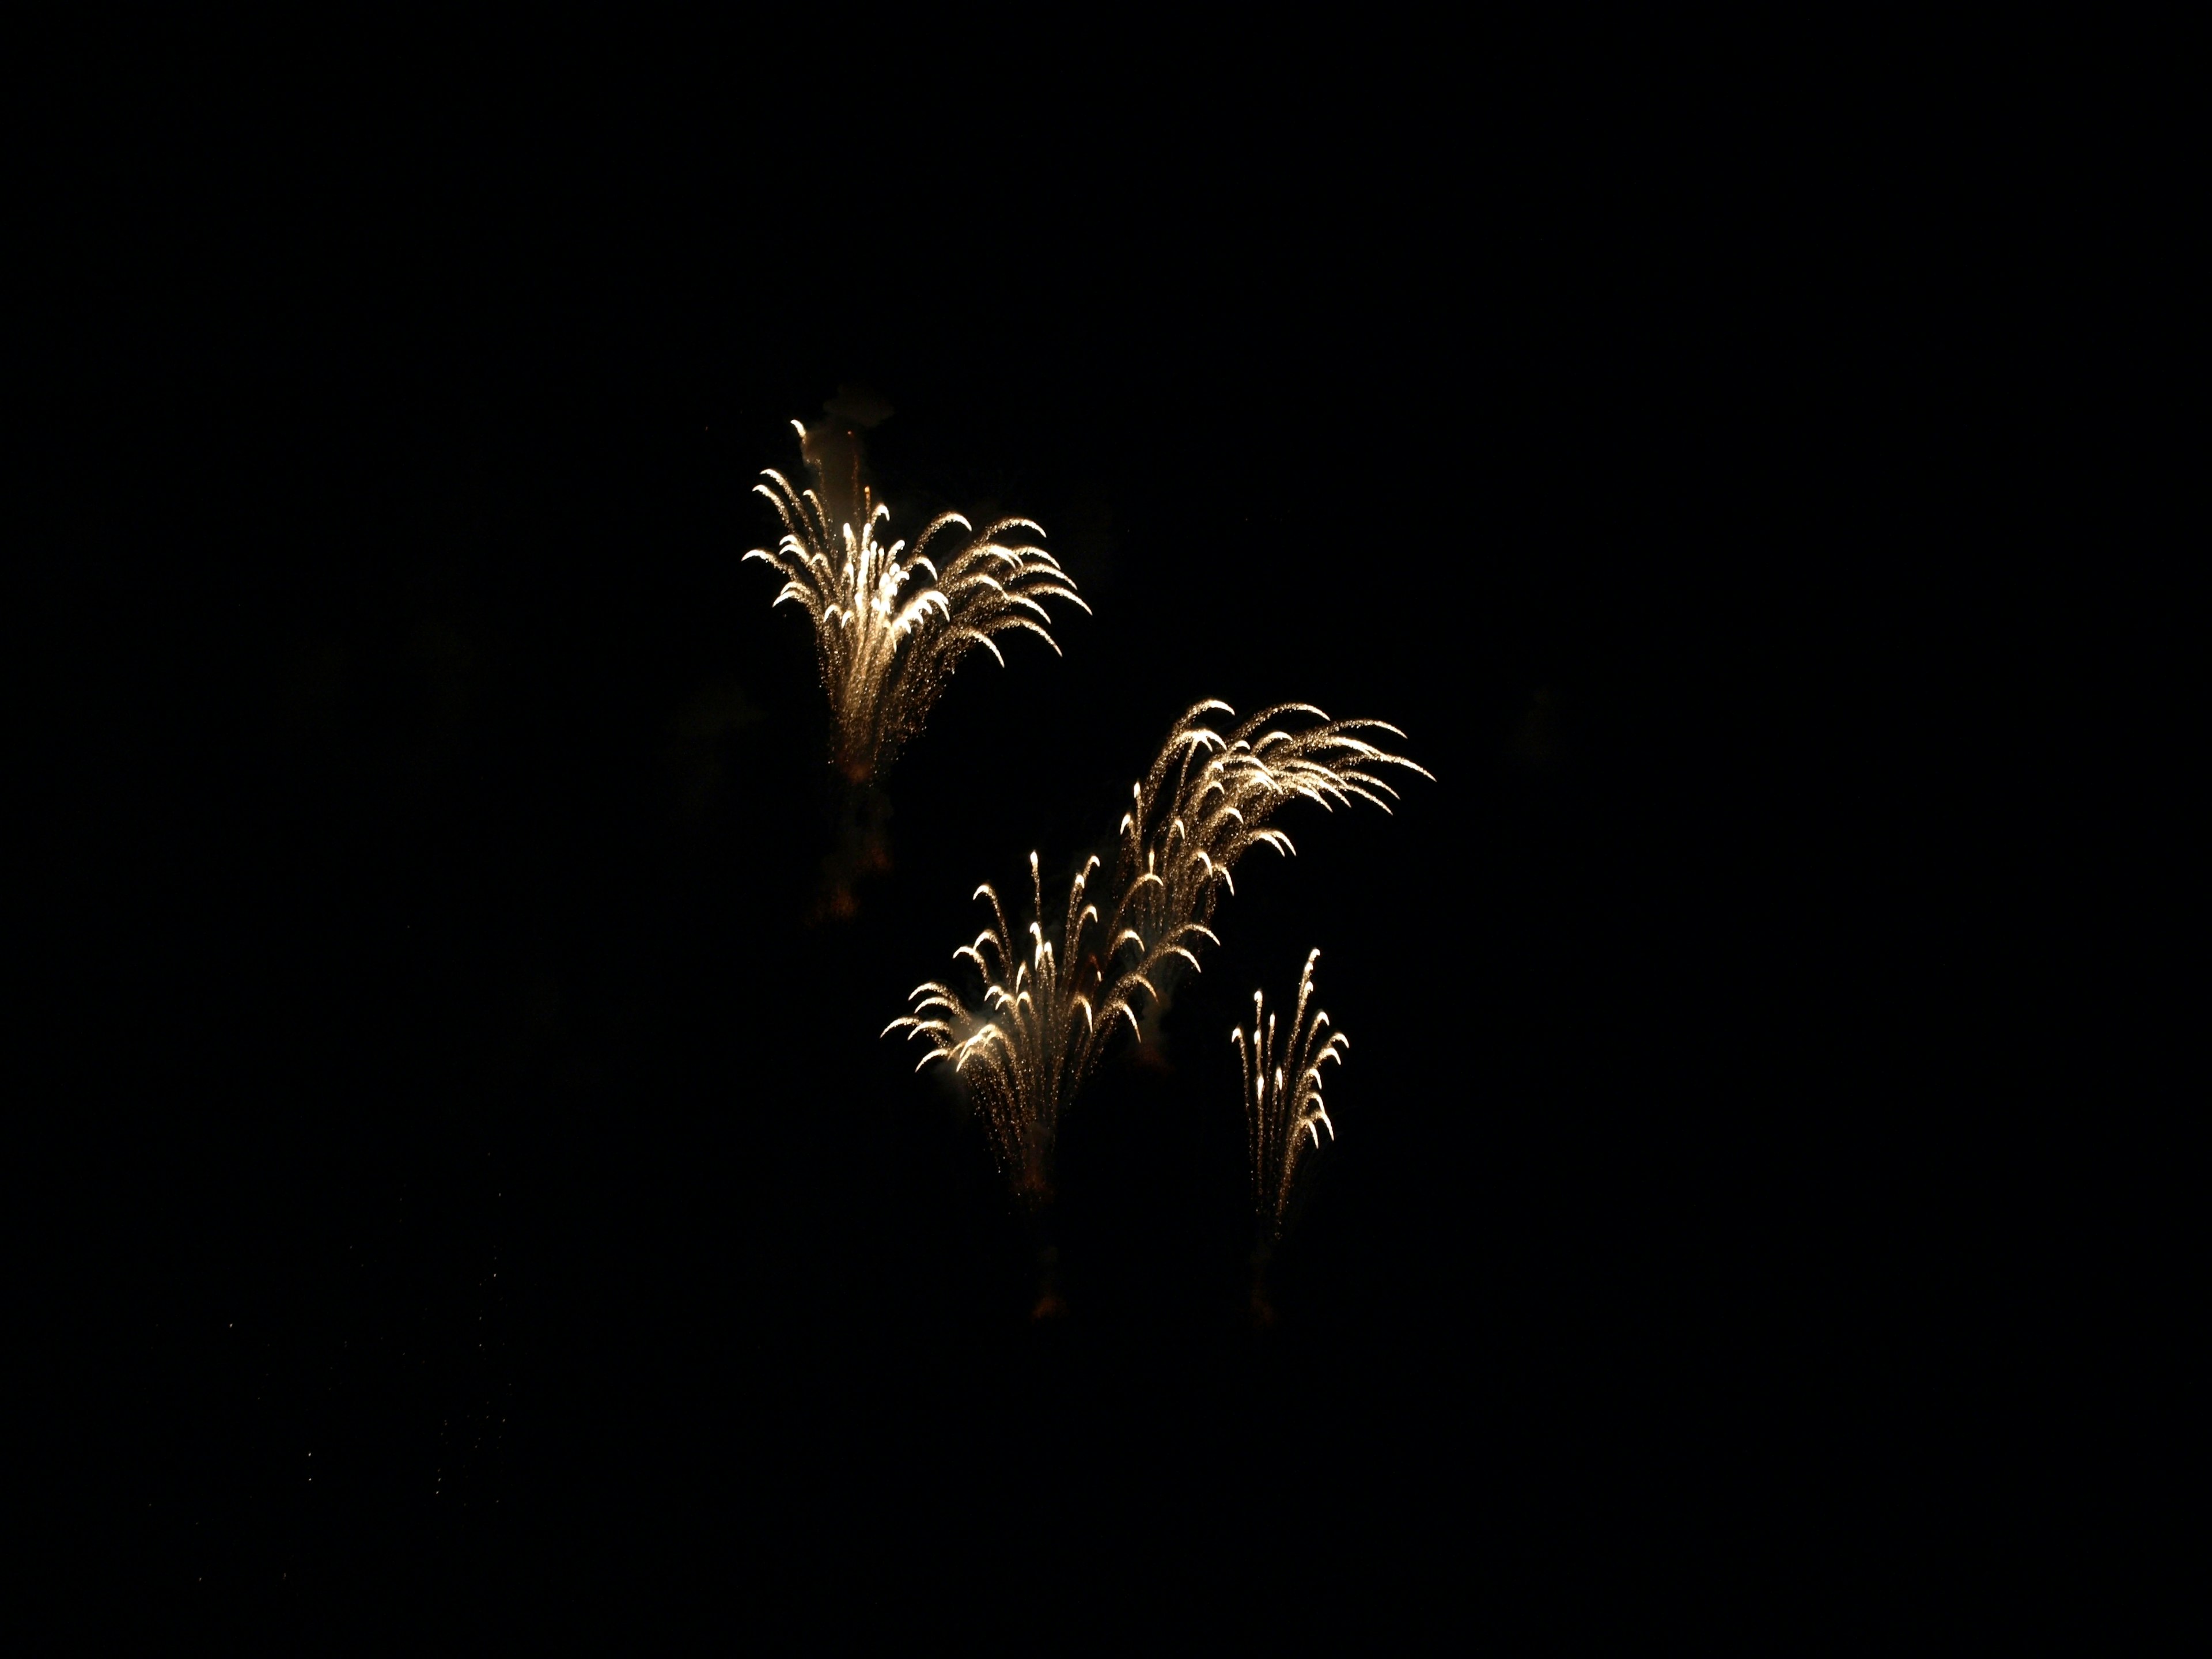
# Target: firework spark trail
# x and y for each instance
(885, 636)
(1283, 1109)
(1051, 1002)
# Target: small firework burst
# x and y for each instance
(1283, 1115)
(891, 621)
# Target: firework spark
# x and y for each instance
(1052, 1001)
(1283, 1109)
(891, 621)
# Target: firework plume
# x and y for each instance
(891, 621)
(1052, 1001)
(1283, 1109)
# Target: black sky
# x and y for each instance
(484, 1128)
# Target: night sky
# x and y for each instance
(503, 1185)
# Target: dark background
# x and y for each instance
(499, 1178)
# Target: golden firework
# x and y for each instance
(1283, 1109)
(1051, 1001)
(891, 621)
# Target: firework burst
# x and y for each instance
(1052, 1001)
(891, 621)
(1284, 1115)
